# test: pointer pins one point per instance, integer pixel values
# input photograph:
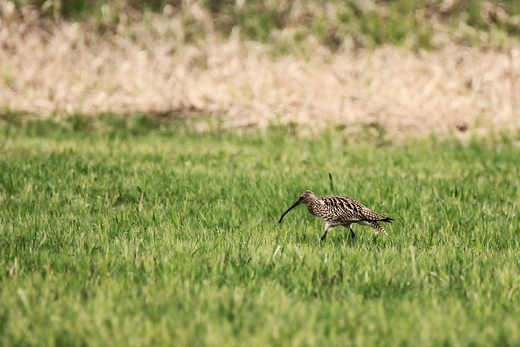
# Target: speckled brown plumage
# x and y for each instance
(336, 210)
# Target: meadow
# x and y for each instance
(140, 233)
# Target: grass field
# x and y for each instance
(141, 234)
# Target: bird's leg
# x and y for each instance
(352, 233)
(324, 236)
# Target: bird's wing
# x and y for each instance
(343, 208)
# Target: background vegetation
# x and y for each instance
(360, 23)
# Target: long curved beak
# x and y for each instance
(290, 208)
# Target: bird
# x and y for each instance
(339, 210)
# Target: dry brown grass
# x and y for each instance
(146, 67)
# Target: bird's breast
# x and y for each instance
(318, 208)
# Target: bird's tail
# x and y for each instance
(376, 226)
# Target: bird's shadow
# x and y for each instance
(375, 240)
(338, 241)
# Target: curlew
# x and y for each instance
(336, 210)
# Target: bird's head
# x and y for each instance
(306, 197)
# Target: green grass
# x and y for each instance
(140, 234)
